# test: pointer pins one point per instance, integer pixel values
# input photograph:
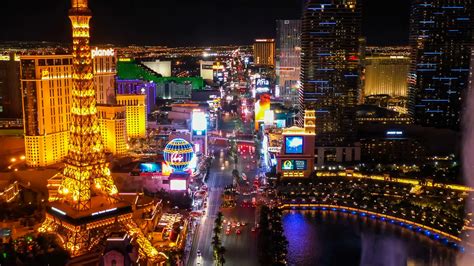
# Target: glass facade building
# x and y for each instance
(440, 37)
(330, 69)
(288, 59)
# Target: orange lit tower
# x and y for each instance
(87, 209)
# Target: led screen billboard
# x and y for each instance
(299, 165)
(294, 145)
(261, 106)
(199, 123)
(262, 85)
(178, 184)
(150, 167)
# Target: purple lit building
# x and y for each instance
(136, 86)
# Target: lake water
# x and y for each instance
(330, 238)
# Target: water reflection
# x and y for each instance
(330, 238)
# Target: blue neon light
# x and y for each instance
(435, 100)
(452, 7)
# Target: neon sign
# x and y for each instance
(176, 157)
(102, 52)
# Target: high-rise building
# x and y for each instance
(330, 67)
(105, 69)
(385, 71)
(385, 81)
(441, 32)
(138, 86)
(264, 52)
(113, 128)
(136, 114)
(288, 68)
(10, 93)
(46, 86)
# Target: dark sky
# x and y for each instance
(184, 22)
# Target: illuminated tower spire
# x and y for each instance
(87, 209)
(86, 167)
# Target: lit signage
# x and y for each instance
(150, 167)
(104, 211)
(294, 165)
(199, 123)
(44, 73)
(261, 106)
(58, 210)
(166, 169)
(262, 85)
(394, 133)
(178, 184)
(176, 158)
(102, 52)
(294, 145)
(274, 149)
(269, 118)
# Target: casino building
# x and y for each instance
(296, 159)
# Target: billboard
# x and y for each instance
(261, 106)
(294, 145)
(199, 123)
(178, 184)
(299, 165)
(262, 85)
(150, 167)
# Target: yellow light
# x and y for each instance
(13, 160)
(23, 157)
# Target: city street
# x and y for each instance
(237, 247)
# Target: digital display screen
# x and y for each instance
(262, 85)
(150, 167)
(199, 123)
(294, 165)
(178, 184)
(294, 145)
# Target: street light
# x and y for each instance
(23, 157)
(13, 160)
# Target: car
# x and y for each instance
(228, 223)
(238, 224)
(238, 231)
(243, 223)
(227, 232)
(198, 253)
(253, 229)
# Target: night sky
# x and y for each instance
(185, 22)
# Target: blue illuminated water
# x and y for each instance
(329, 238)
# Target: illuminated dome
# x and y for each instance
(178, 154)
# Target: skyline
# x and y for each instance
(201, 24)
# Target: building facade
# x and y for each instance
(113, 128)
(10, 93)
(441, 32)
(138, 86)
(105, 69)
(385, 71)
(330, 72)
(288, 68)
(46, 86)
(136, 115)
(46, 82)
(264, 52)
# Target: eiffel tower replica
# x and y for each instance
(87, 209)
